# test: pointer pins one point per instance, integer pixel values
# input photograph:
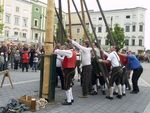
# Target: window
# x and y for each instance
(141, 28)
(100, 18)
(15, 33)
(16, 20)
(126, 42)
(25, 20)
(36, 36)
(7, 33)
(24, 35)
(7, 18)
(78, 30)
(17, 9)
(99, 29)
(36, 23)
(133, 42)
(140, 42)
(127, 28)
(133, 28)
(128, 17)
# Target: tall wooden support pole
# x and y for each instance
(61, 19)
(107, 27)
(69, 17)
(83, 18)
(48, 47)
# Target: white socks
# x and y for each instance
(95, 87)
(124, 89)
(119, 89)
(68, 96)
(111, 90)
(70, 92)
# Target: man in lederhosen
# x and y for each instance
(116, 73)
(69, 64)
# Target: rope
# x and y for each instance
(41, 103)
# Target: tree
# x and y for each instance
(118, 35)
(1, 28)
(60, 38)
(1, 25)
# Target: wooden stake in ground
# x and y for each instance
(48, 47)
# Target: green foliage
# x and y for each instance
(59, 37)
(90, 35)
(118, 36)
(1, 9)
(1, 28)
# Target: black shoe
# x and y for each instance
(119, 96)
(98, 87)
(103, 92)
(110, 98)
(123, 94)
(115, 93)
(134, 92)
(93, 93)
(66, 103)
(72, 101)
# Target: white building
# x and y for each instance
(17, 20)
(131, 19)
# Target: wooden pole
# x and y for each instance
(48, 47)
(100, 66)
(107, 27)
(61, 24)
(61, 19)
(83, 18)
(69, 16)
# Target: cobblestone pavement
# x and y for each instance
(27, 83)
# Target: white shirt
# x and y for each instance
(114, 59)
(67, 53)
(85, 53)
(78, 56)
(59, 61)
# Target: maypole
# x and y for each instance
(47, 81)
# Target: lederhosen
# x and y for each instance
(69, 70)
(69, 75)
(116, 75)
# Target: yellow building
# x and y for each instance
(76, 27)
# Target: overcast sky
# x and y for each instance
(116, 4)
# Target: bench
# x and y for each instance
(6, 74)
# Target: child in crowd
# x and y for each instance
(35, 62)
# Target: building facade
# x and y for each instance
(131, 19)
(76, 27)
(16, 20)
(1, 16)
(38, 20)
